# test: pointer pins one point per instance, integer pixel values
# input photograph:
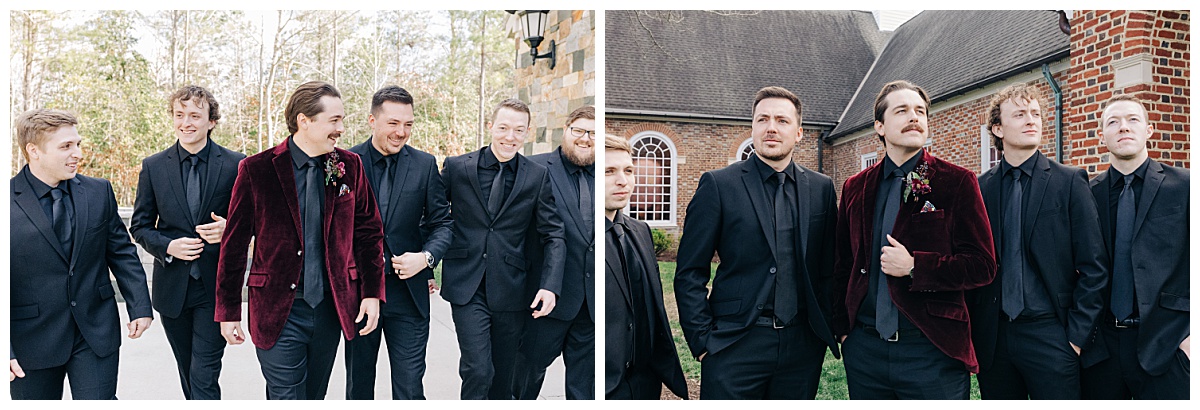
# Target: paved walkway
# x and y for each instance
(148, 368)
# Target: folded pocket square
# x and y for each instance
(928, 207)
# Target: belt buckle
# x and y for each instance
(1118, 325)
(775, 323)
(895, 337)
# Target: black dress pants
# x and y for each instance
(766, 363)
(1033, 360)
(487, 343)
(1121, 377)
(911, 368)
(407, 335)
(297, 367)
(196, 341)
(545, 338)
(91, 377)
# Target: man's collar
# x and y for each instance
(765, 171)
(906, 168)
(202, 155)
(299, 157)
(1139, 173)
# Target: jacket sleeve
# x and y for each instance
(843, 257)
(239, 229)
(143, 224)
(368, 235)
(972, 260)
(123, 262)
(694, 269)
(1087, 251)
(436, 221)
(550, 227)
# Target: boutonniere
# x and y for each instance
(917, 183)
(334, 169)
(343, 190)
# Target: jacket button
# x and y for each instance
(626, 365)
(299, 252)
(630, 325)
(293, 286)
(862, 271)
(485, 256)
(759, 307)
(772, 269)
(590, 248)
(72, 303)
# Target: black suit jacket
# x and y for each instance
(50, 296)
(160, 215)
(579, 266)
(1060, 234)
(618, 317)
(1161, 254)
(495, 245)
(419, 219)
(731, 214)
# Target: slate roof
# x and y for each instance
(710, 64)
(950, 52)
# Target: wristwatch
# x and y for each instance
(428, 259)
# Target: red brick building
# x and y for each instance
(689, 116)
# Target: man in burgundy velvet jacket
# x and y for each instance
(918, 225)
(318, 255)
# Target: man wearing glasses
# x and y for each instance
(570, 329)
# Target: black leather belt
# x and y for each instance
(1131, 323)
(906, 333)
(768, 319)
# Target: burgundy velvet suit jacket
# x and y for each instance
(264, 205)
(952, 248)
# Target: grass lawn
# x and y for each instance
(833, 374)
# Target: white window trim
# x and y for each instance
(862, 160)
(673, 193)
(737, 155)
(985, 149)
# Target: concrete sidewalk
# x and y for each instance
(148, 369)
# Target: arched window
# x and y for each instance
(653, 199)
(746, 149)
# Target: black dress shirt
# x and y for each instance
(620, 236)
(302, 162)
(1116, 184)
(866, 313)
(185, 166)
(771, 185)
(489, 165)
(42, 192)
(574, 170)
(1038, 304)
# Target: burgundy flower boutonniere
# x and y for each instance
(334, 169)
(917, 183)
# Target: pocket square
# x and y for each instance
(928, 207)
(343, 190)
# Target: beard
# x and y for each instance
(779, 156)
(579, 159)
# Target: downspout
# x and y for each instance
(1058, 113)
(821, 151)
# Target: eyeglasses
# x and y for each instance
(580, 132)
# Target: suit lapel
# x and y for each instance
(25, 199)
(992, 196)
(640, 244)
(1154, 179)
(285, 171)
(612, 260)
(802, 203)
(758, 200)
(1100, 192)
(870, 191)
(403, 166)
(175, 180)
(216, 159)
(1037, 195)
(82, 215)
(519, 183)
(559, 178)
(470, 167)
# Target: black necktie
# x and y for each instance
(887, 320)
(314, 266)
(1013, 265)
(496, 195)
(193, 186)
(585, 200)
(785, 276)
(635, 273)
(62, 219)
(385, 187)
(1122, 288)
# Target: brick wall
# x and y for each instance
(553, 94)
(703, 147)
(955, 126)
(1144, 53)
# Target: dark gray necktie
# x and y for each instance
(193, 199)
(1012, 265)
(887, 320)
(314, 266)
(1122, 287)
(585, 200)
(635, 273)
(62, 219)
(385, 187)
(785, 275)
(193, 186)
(496, 195)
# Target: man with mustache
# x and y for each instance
(416, 232)
(66, 237)
(569, 330)
(1031, 322)
(762, 331)
(495, 195)
(912, 237)
(318, 255)
(639, 352)
(1143, 344)
(178, 217)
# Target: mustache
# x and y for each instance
(913, 127)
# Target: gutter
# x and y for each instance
(1058, 113)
